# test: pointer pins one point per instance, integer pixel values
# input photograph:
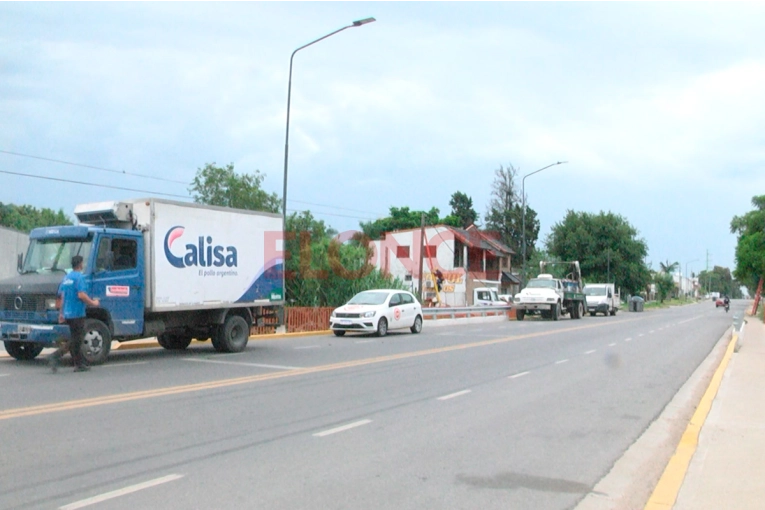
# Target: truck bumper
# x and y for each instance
(47, 334)
(533, 306)
(599, 308)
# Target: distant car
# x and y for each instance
(378, 311)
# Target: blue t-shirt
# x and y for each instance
(73, 306)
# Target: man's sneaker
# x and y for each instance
(82, 368)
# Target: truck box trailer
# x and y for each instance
(161, 268)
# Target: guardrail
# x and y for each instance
(465, 312)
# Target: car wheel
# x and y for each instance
(382, 327)
(338, 332)
(417, 326)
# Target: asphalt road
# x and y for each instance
(504, 415)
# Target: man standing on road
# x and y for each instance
(72, 311)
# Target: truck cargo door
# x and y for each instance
(118, 281)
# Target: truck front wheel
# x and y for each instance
(232, 335)
(555, 312)
(23, 351)
(97, 342)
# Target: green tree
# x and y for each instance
(606, 246)
(750, 246)
(669, 268)
(221, 186)
(665, 285)
(401, 218)
(25, 217)
(505, 213)
(720, 279)
(463, 215)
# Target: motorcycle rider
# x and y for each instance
(726, 301)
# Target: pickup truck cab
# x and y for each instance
(487, 296)
(601, 298)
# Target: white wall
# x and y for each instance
(12, 243)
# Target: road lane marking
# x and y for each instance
(612, 345)
(452, 395)
(650, 332)
(628, 339)
(307, 347)
(120, 492)
(241, 363)
(668, 487)
(363, 341)
(689, 320)
(521, 374)
(590, 351)
(561, 361)
(641, 334)
(113, 365)
(342, 428)
(117, 398)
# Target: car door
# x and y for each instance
(407, 310)
(394, 311)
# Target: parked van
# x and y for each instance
(601, 298)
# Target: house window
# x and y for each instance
(431, 251)
(402, 252)
(458, 247)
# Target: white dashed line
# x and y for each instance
(612, 345)
(343, 428)
(641, 334)
(258, 365)
(114, 365)
(561, 361)
(363, 341)
(452, 395)
(627, 339)
(590, 352)
(650, 332)
(120, 492)
(521, 374)
(307, 347)
(4, 375)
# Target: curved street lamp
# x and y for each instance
(289, 97)
(523, 214)
(357, 23)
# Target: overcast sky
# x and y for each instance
(657, 107)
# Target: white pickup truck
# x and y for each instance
(602, 298)
(487, 296)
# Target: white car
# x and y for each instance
(378, 311)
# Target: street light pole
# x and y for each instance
(289, 98)
(523, 215)
(357, 23)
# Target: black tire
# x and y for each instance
(579, 310)
(592, 314)
(23, 351)
(417, 326)
(337, 332)
(97, 342)
(232, 335)
(555, 312)
(520, 314)
(173, 342)
(613, 312)
(382, 327)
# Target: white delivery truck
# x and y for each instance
(602, 298)
(160, 268)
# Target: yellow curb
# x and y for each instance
(666, 490)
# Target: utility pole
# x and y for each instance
(422, 255)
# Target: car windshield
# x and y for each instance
(595, 291)
(541, 284)
(369, 298)
(46, 255)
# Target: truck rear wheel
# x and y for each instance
(173, 342)
(232, 335)
(23, 351)
(97, 342)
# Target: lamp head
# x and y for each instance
(363, 22)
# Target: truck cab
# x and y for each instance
(601, 298)
(487, 296)
(113, 272)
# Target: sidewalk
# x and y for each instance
(727, 470)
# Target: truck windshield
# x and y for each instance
(541, 284)
(595, 291)
(48, 255)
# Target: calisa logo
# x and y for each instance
(204, 253)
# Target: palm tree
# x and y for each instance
(669, 268)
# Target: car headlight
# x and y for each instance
(367, 315)
(333, 313)
(50, 304)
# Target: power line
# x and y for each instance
(92, 184)
(336, 207)
(123, 172)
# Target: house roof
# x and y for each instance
(508, 277)
(472, 238)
